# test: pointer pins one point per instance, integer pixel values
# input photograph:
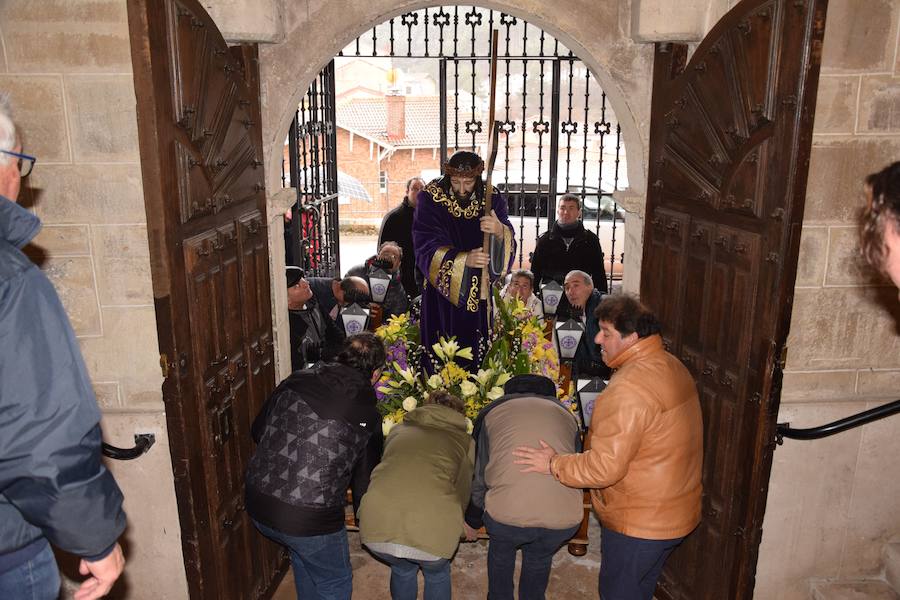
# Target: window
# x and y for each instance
(383, 182)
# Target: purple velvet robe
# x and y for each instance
(443, 232)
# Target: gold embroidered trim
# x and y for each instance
(443, 280)
(474, 210)
(436, 261)
(472, 302)
(456, 280)
(508, 249)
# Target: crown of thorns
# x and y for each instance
(472, 172)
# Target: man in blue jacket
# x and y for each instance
(54, 488)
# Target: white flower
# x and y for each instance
(469, 425)
(410, 403)
(435, 382)
(495, 393)
(386, 424)
(483, 376)
(465, 353)
(467, 388)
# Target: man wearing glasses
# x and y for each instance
(54, 488)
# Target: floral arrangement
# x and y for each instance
(518, 345)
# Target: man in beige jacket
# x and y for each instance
(645, 457)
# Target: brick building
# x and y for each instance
(383, 142)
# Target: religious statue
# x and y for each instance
(448, 232)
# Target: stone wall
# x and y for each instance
(67, 65)
(69, 68)
(833, 503)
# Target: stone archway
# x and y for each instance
(597, 32)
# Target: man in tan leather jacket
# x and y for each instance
(645, 453)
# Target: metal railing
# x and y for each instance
(784, 430)
(142, 444)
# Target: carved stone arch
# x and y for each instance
(622, 67)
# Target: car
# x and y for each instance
(528, 215)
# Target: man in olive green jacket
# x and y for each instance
(412, 514)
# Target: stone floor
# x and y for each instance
(571, 578)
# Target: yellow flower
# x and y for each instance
(503, 378)
(386, 425)
(452, 374)
(469, 425)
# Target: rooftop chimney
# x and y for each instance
(396, 116)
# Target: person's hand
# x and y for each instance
(375, 312)
(537, 460)
(491, 224)
(103, 572)
(477, 258)
(471, 534)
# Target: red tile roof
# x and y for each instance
(368, 117)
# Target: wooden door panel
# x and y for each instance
(743, 194)
(198, 107)
(729, 145)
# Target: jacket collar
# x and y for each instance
(17, 225)
(642, 349)
(558, 233)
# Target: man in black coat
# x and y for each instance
(314, 335)
(318, 433)
(568, 246)
(397, 227)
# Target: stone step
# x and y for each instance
(891, 558)
(867, 589)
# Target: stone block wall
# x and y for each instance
(832, 503)
(67, 65)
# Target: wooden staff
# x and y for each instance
(493, 136)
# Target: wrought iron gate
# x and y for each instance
(311, 239)
(558, 134)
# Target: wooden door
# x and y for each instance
(729, 150)
(201, 161)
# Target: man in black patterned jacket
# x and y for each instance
(318, 433)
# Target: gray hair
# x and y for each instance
(8, 135)
(524, 273)
(587, 278)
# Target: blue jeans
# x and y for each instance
(538, 546)
(35, 579)
(321, 563)
(404, 577)
(630, 566)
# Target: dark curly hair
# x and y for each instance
(882, 210)
(628, 315)
(445, 398)
(363, 352)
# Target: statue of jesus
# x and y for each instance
(448, 230)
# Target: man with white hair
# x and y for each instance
(54, 488)
(581, 300)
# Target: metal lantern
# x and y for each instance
(588, 390)
(568, 336)
(379, 281)
(551, 294)
(354, 319)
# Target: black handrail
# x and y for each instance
(142, 444)
(784, 430)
